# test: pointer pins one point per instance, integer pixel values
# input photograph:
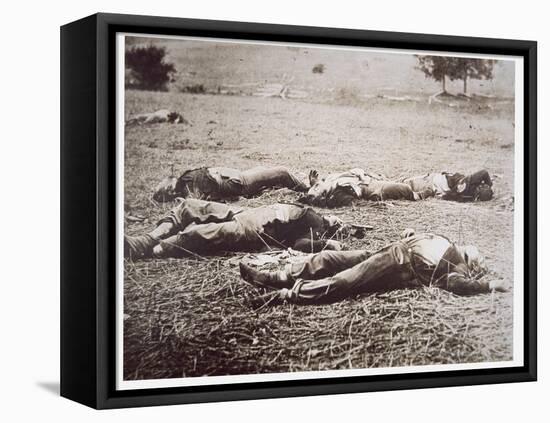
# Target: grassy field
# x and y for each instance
(192, 318)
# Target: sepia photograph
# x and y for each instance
(300, 211)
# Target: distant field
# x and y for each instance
(246, 68)
(192, 318)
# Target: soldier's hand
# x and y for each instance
(407, 233)
(313, 177)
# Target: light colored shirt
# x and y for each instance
(436, 181)
(221, 174)
(354, 179)
(429, 248)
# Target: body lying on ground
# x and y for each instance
(198, 227)
(160, 116)
(477, 186)
(331, 276)
(341, 189)
(223, 183)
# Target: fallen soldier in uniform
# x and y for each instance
(198, 227)
(160, 116)
(331, 276)
(455, 186)
(341, 189)
(219, 183)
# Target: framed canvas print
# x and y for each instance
(254, 211)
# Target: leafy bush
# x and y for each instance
(146, 68)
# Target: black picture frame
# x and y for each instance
(88, 164)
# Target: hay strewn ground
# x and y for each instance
(195, 319)
(192, 318)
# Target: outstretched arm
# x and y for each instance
(462, 285)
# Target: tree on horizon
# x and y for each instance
(441, 68)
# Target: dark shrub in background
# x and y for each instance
(146, 68)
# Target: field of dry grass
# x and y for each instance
(191, 317)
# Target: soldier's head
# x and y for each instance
(474, 259)
(332, 221)
(483, 192)
(315, 195)
(332, 224)
(166, 190)
(335, 226)
(322, 195)
(477, 186)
